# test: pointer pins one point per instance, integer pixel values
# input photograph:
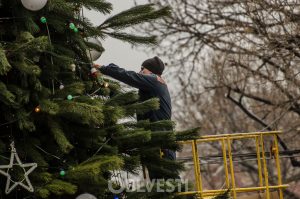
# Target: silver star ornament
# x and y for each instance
(15, 160)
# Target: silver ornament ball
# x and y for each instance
(92, 53)
(34, 5)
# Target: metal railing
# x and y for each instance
(225, 140)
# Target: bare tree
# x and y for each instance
(236, 64)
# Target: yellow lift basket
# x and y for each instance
(225, 140)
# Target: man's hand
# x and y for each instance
(97, 66)
(95, 70)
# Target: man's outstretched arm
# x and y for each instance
(131, 78)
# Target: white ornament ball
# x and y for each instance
(34, 5)
(86, 196)
(92, 53)
(61, 86)
(73, 67)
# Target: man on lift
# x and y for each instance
(150, 85)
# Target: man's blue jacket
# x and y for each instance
(149, 86)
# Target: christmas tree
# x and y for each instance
(63, 116)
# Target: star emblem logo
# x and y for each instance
(15, 161)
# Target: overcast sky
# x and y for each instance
(118, 52)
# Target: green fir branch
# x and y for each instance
(35, 83)
(24, 121)
(133, 39)
(98, 5)
(165, 139)
(43, 193)
(4, 63)
(142, 107)
(120, 22)
(123, 99)
(89, 100)
(44, 177)
(27, 43)
(27, 67)
(131, 164)
(61, 8)
(6, 96)
(87, 27)
(112, 114)
(153, 126)
(59, 136)
(189, 134)
(62, 50)
(59, 187)
(49, 107)
(82, 113)
(74, 89)
(58, 23)
(22, 95)
(97, 165)
(132, 139)
(61, 58)
(31, 25)
(132, 12)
